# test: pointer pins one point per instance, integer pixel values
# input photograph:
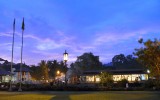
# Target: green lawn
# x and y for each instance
(25, 97)
(113, 95)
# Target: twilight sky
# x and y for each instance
(103, 27)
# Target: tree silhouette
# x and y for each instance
(149, 56)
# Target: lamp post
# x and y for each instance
(65, 58)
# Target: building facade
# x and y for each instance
(6, 77)
(133, 75)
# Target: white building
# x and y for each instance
(5, 75)
(131, 75)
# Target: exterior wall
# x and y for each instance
(16, 77)
(129, 77)
(73, 80)
(90, 79)
(5, 78)
(26, 77)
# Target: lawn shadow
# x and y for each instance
(61, 97)
(65, 95)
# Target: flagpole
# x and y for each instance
(10, 88)
(20, 85)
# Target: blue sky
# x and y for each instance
(104, 27)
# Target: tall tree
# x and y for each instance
(126, 62)
(88, 61)
(149, 56)
(54, 66)
(119, 60)
(36, 72)
(44, 69)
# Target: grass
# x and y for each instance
(25, 97)
(116, 96)
(113, 95)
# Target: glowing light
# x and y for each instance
(58, 72)
(65, 56)
(148, 71)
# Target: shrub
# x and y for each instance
(122, 83)
(152, 83)
(106, 80)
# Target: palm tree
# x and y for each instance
(44, 70)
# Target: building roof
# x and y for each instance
(95, 72)
(17, 68)
(24, 69)
(128, 71)
(2, 59)
(116, 72)
(3, 72)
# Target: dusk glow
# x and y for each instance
(105, 28)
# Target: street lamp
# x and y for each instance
(58, 72)
(148, 71)
(65, 58)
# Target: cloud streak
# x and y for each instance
(5, 35)
(105, 28)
